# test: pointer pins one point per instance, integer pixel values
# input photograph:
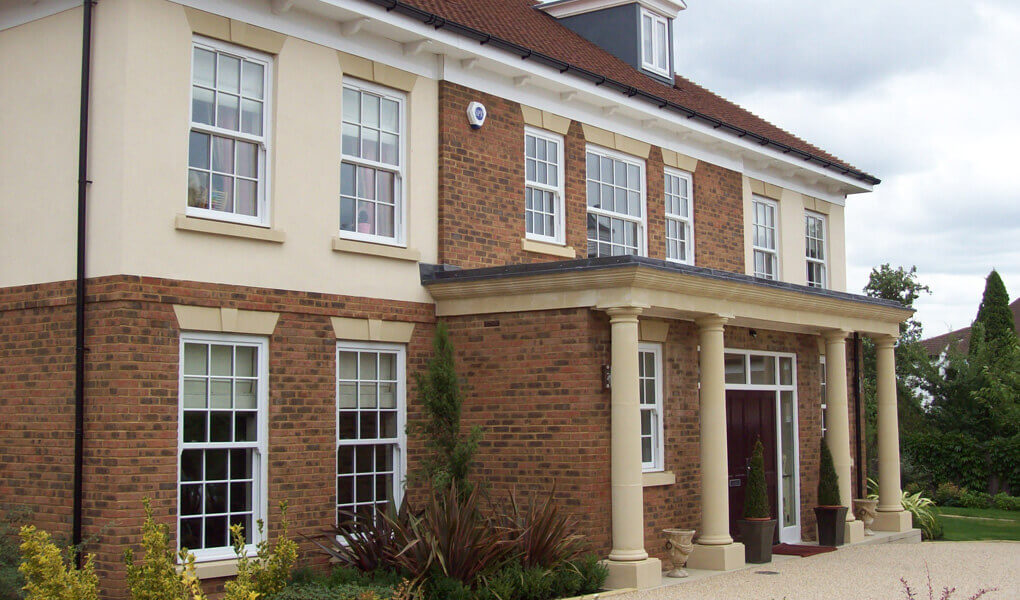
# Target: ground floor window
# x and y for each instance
(650, 377)
(222, 440)
(370, 426)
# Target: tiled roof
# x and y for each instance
(518, 22)
(935, 345)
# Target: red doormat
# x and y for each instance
(800, 549)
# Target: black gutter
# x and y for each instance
(79, 304)
(862, 489)
(525, 53)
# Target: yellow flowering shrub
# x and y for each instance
(267, 573)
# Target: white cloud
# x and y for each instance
(925, 95)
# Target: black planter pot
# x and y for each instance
(831, 524)
(757, 537)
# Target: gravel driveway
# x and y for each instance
(869, 572)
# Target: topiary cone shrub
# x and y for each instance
(828, 481)
(756, 500)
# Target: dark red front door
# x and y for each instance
(750, 415)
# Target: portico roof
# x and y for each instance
(663, 289)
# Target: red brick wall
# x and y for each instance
(131, 417)
(481, 191)
(533, 383)
(718, 218)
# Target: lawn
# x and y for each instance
(962, 524)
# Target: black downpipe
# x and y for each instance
(79, 305)
(862, 489)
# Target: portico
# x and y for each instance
(632, 291)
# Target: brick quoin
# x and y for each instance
(481, 191)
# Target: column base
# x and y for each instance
(899, 521)
(854, 532)
(639, 574)
(726, 557)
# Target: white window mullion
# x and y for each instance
(679, 212)
(650, 397)
(544, 186)
(816, 254)
(765, 238)
(616, 219)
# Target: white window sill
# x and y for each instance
(547, 248)
(214, 569)
(370, 249)
(252, 232)
(657, 478)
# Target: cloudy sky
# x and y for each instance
(924, 95)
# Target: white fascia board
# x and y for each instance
(569, 8)
(18, 12)
(494, 71)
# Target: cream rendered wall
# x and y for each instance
(143, 74)
(792, 205)
(39, 89)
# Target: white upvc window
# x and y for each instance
(815, 250)
(650, 378)
(222, 441)
(370, 440)
(616, 203)
(655, 42)
(765, 238)
(679, 217)
(543, 185)
(229, 138)
(825, 398)
(373, 164)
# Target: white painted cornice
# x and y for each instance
(569, 8)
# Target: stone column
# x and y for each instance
(891, 516)
(837, 437)
(629, 565)
(715, 548)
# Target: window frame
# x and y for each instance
(558, 191)
(400, 458)
(648, 63)
(687, 222)
(263, 142)
(823, 385)
(400, 171)
(260, 470)
(823, 242)
(755, 248)
(658, 462)
(642, 222)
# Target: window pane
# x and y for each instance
(370, 110)
(384, 221)
(198, 189)
(195, 393)
(226, 111)
(370, 144)
(198, 150)
(351, 143)
(203, 67)
(228, 75)
(247, 197)
(253, 81)
(352, 105)
(247, 160)
(389, 152)
(251, 116)
(763, 370)
(202, 105)
(735, 369)
(222, 154)
(390, 119)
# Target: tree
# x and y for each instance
(441, 399)
(912, 361)
(756, 499)
(828, 481)
(994, 313)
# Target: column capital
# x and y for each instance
(712, 322)
(618, 314)
(833, 336)
(884, 341)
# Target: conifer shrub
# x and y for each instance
(756, 500)
(828, 481)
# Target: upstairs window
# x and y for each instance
(229, 139)
(655, 43)
(679, 222)
(616, 204)
(765, 239)
(372, 164)
(543, 187)
(814, 238)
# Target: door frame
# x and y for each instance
(787, 534)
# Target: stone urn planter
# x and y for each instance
(866, 509)
(679, 544)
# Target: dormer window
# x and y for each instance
(655, 42)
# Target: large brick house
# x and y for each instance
(283, 197)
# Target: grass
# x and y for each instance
(963, 524)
